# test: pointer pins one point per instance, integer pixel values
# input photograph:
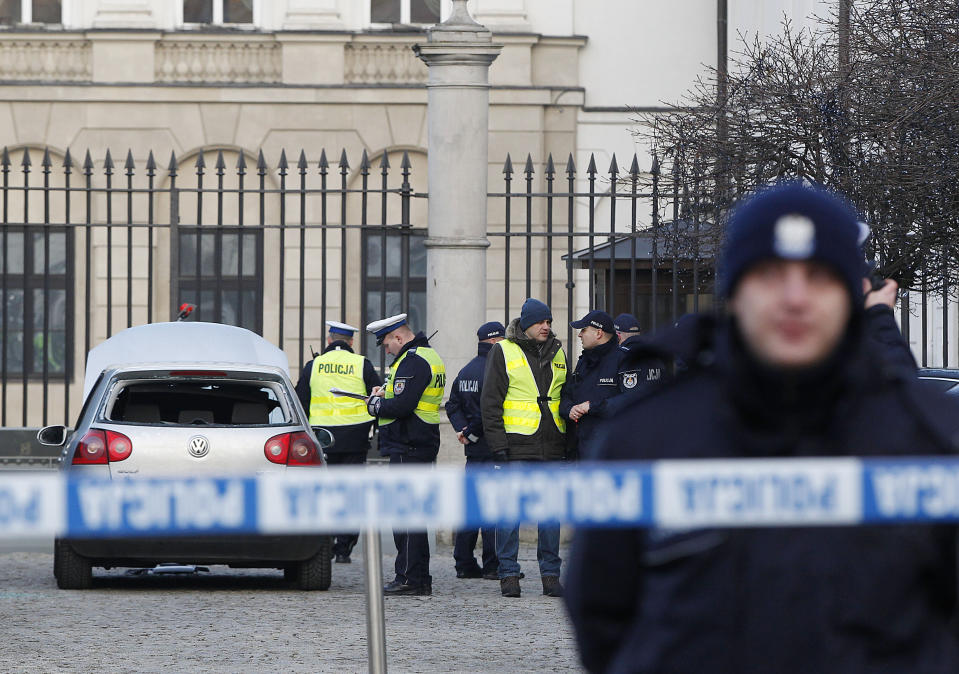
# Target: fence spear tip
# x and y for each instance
(283, 165)
(571, 165)
(88, 162)
(172, 166)
(529, 165)
(261, 162)
(45, 162)
(5, 158)
(241, 161)
(301, 163)
(592, 164)
(200, 161)
(655, 168)
(405, 164)
(26, 158)
(344, 162)
(220, 163)
(151, 162)
(67, 159)
(508, 166)
(613, 166)
(385, 161)
(324, 162)
(365, 162)
(108, 161)
(550, 168)
(128, 164)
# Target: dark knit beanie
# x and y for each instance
(793, 221)
(533, 311)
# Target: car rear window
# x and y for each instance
(197, 403)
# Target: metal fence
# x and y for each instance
(89, 248)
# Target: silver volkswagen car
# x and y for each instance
(189, 398)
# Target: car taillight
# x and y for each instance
(303, 451)
(293, 449)
(118, 446)
(277, 447)
(92, 448)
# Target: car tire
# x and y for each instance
(73, 571)
(315, 573)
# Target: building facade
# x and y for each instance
(266, 161)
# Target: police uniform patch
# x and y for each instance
(630, 379)
(399, 386)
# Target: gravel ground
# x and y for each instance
(236, 620)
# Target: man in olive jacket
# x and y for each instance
(524, 378)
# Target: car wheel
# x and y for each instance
(316, 572)
(73, 571)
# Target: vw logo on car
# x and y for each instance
(199, 446)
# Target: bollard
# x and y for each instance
(375, 618)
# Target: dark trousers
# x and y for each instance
(465, 541)
(412, 547)
(343, 544)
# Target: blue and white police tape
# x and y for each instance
(725, 493)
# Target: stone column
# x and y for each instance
(458, 52)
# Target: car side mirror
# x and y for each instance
(52, 436)
(325, 436)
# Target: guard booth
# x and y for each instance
(657, 284)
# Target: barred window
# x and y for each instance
(220, 271)
(394, 283)
(36, 315)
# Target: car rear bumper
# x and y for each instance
(248, 551)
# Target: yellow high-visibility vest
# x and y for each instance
(428, 408)
(337, 368)
(521, 409)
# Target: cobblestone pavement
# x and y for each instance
(237, 620)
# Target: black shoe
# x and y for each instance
(509, 586)
(472, 573)
(343, 559)
(551, 586)
(396, 589)
(392, 585)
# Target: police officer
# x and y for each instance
(407, 410)
(522, 390)
(790, 372)
(594, 379)
(346, 418)
(464, 413)
(640, 367)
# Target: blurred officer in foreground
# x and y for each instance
(346, 418)
(594, 378)
(408, 416)
(522, 388)
(463, 410)
(790, 373)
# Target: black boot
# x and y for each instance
(551, 586)
(509, 586)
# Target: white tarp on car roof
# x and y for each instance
(184, 342)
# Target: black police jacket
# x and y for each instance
(833, 599)
(353, 437)
(408, 435)
(463, 407)
(594, 379)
